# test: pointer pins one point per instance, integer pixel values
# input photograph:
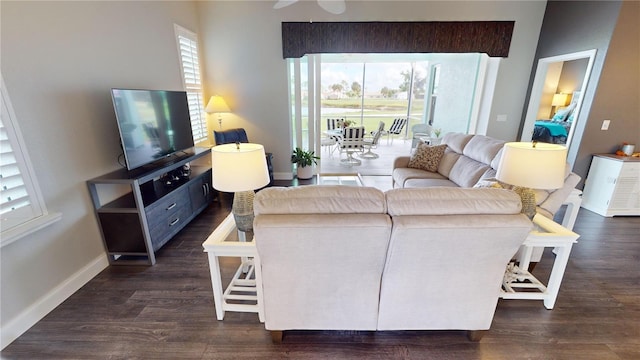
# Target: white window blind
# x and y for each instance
(190, 65)
(12, 187)
(20, 200)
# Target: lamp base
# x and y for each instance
(242, 209)
(528, 198)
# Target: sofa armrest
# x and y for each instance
(401, 162)
(558, 197)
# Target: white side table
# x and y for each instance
(519, 283)
(242, 287)
(573, 202)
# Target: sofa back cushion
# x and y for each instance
(320, 199)
(322, 250)
(466, 156)
(447, 257)
(447, 161)
(456, 141)
(452, 201)
(466, 172)
(483, 148)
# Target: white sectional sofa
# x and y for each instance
(355, 258)
(471, 160)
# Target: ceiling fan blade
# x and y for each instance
(282, 3)
(333, 6)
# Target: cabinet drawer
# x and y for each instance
(162, 231)
(168, 206)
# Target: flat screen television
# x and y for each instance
(153, 124)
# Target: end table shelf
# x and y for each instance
(242, 286)
(519, 283)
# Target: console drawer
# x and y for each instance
(161, 210)
(168, 226)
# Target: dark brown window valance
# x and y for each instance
(490, 37)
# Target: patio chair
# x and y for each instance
(352, 142)
(396, 128)
(420, 132)
(333, 124)
(372, 143)
(331, 137)
(239, 135)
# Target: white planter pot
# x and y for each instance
(305, 172)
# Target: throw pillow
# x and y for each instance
(488, 184)
(427, 157)
(562, 114)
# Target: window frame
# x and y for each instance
(195, 95)
(22, 222)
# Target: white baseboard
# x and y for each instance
(38, 310)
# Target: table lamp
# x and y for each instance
(240, 168)
(559, 100)
(217, 105)
(531, 165)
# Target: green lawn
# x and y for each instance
(376, 110)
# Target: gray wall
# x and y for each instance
(612, 91)
(59, 60)
(243, 55)
(618, 95)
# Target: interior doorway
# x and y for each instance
(548, 88)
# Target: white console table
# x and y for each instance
(521, 284)
(244, 293)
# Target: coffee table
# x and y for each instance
(519, 283)
(244, 293)
(331, 179)
(340, 179)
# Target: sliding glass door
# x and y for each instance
(364, 89)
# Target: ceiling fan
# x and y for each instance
(333, 6)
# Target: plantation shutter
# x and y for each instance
(17, 202)
(188, 48)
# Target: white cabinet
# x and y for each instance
(613, 186)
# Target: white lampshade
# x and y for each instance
(217, 104)
(239, 167)
(533, 165)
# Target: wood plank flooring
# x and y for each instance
(166, 312)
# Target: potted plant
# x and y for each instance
(348, 123)
(304, 161)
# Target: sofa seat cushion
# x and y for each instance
(422, 183)
(401, 175)
(452, 201)
(320, 199)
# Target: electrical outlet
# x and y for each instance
(605, 124)
(501, 118)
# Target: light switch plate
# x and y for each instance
(605, 125)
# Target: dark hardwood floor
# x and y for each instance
(166, 312)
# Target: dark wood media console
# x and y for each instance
(135, 225)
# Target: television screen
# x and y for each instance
(153, 124)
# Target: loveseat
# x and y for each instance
(355, 258)
(472, 160)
